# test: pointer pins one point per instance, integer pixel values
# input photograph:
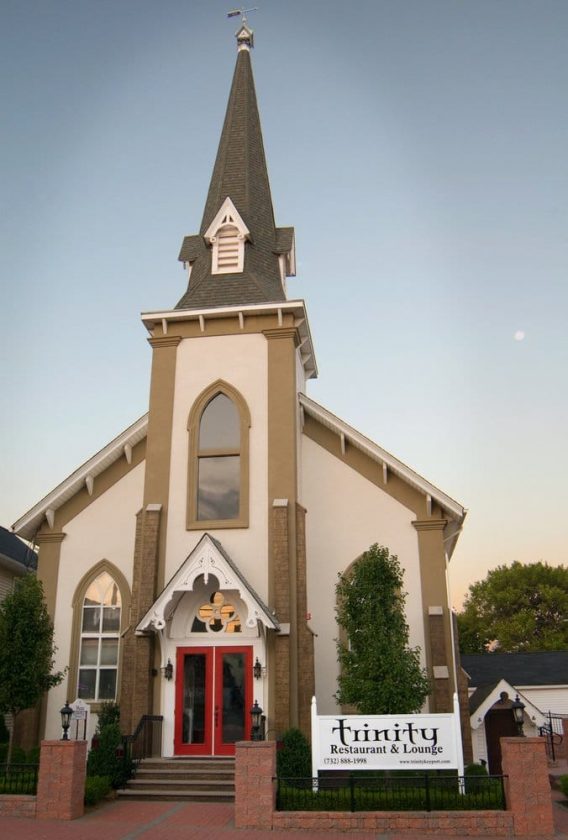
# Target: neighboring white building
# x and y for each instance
(539, 679)
(208, 536)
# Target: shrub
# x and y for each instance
(96, 788)
(476, 777)
(563, 780)
(4, 734)
(104, 761)
(109, 714)
(294, 759)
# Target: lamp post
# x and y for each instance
(66, 713)
(518, 709)
(256, 715)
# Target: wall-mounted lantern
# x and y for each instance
(518, 709)
(168, 670)
(257, 669)
(256, 718)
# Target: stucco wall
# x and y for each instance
(102, 531)
(347, 514)
(241, 361)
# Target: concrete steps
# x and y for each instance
(200, 779)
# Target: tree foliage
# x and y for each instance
(521, 607)
(380, 673)
(26, 649)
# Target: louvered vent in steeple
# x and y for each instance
(227, 234)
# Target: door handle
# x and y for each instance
(216, 715)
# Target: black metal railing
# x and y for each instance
(553, 733)
(397, 793)
(18, 778)
(146, 740)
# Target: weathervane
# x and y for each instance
(242, 12)
(245, 35)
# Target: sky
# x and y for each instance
(419, 149)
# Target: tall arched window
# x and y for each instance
(100, 634)
(218, 460)
(101, 606)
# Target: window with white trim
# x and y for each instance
(100, 637)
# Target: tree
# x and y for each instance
(516, 608)
(380, 673)
(26, 650)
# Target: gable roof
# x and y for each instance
(121, 446)
(381, 456)
(483, 699)
(547, 667)
(207, 558)
(240, 173)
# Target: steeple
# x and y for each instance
(239, 256)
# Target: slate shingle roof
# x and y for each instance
(240, 173)
(13, 548)
(519, 669)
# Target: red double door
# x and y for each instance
(213, 699)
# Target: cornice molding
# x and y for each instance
(50, 537)
(430, 524)
(165, 341)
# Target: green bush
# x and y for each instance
(4, 734)
(563, 780)
(104, 761)
(294, 759)
(476, 778)
(109, 714)
(96, 788)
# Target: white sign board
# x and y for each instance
(80, 710)
(386, 742)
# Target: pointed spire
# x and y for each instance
(239, 174)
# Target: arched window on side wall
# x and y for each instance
(100, 611)
(218, 459)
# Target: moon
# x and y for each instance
(519, 335)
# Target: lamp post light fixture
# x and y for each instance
(66, 713)
(518, 708)
(257, 669)
(168, 670)
(256, 716)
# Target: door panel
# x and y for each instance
(194, 684)
(213, 699)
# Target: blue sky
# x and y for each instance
(419, 149)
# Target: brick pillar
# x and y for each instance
(281, 599)
(137, 661)
(255, 791)
(61, 782)
(527, 788)
(306, 666)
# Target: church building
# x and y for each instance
(190, 566)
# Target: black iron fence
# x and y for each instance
(553, 733)
(18, 778)
(391, 793)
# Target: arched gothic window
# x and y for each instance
(101, 607)
(218, 460)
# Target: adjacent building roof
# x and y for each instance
(519, 669)
(240, 173)
(15, 554)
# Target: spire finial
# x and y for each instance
(244, 35)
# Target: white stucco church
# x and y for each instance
(190, 565)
